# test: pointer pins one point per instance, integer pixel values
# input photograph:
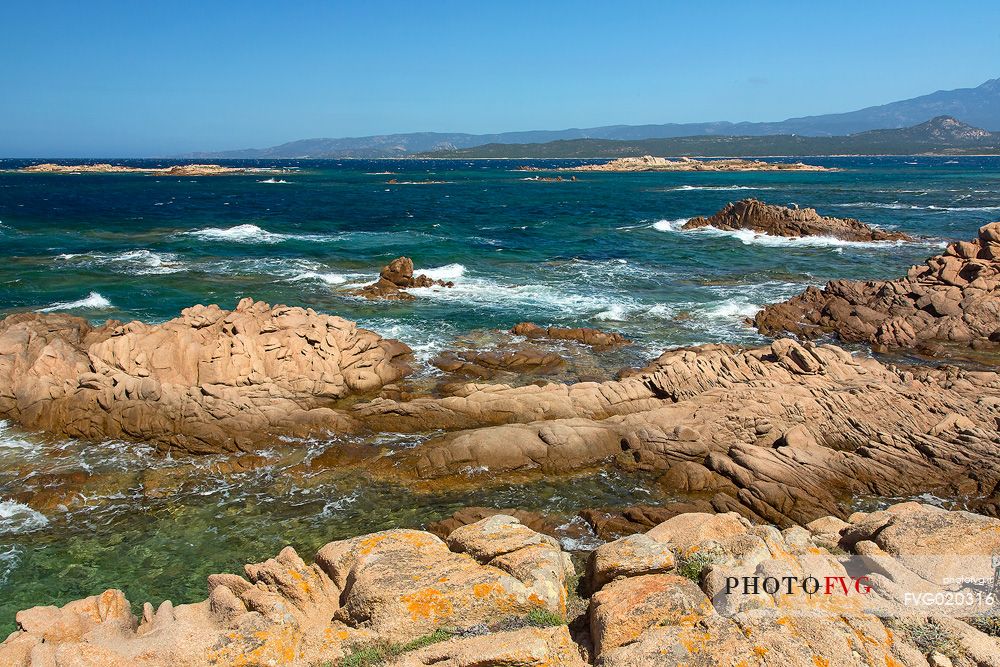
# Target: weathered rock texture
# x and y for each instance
(953, 299)
(642, 613)
(499, 590)
(396, 276)
(210, 380)
(586, 335)
(386, 588)
(785, 433)
(650, 163)
(764, 218)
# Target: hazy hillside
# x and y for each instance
(942, 135)
(978, 106)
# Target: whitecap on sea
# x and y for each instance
(17, 517)
(750, 237)
(93, 301)
(250, 233)
(131, 262)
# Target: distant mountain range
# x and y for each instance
(943, 135)
(978, 106)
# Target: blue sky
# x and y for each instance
(140, 78)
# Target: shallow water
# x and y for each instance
(604, 251)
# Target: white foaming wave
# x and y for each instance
(133, 262)
(273, 180)
(328, 278)
(11, 442)
(447, 272)
(670, 225)
(618, 312)
(93, 301)
(683, 188)
(250, 233)
(492, 295)
(750, 237)
(17, 517)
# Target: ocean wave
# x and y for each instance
(750, 237)
(273, 180)
(445, 273)
(17, 517)
(328, 278)
(10, 442)
(131, 262)
(250, 233)
(916, 207)
(93, 301)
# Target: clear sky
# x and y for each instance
(138, 77)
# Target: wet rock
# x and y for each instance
(489, 364)
(210, 380)
(762, 218)
(952, 302)
(588, 336)
(395, 277)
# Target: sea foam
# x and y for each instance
(750, 237)
(17, 517)
(93, 301)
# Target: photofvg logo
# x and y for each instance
(888, 586)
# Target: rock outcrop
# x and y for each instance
(394, 591)
(786, 433)
(953, 300)
(697, 590)
(210, 380)
(650, 163)
(174, 170)
(762, 218)
(395, 277)
(586, 335)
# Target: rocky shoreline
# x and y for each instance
(650, 163)
(495, 592)
(762, 452)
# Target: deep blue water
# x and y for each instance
(602, 251)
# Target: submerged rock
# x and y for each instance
(764, 218)
(210, 380)
(953, 300)
(586, 335)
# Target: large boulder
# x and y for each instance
(756, 216)
(210, 380)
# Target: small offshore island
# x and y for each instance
(650, 163)
(174, 170)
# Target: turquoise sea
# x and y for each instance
(604, 251)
